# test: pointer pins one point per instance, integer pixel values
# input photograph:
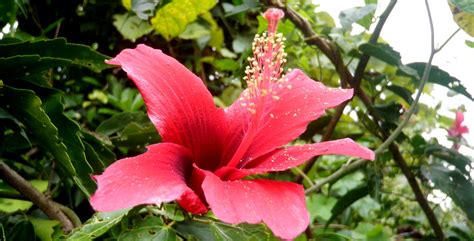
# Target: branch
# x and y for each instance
(333, 54)
(354, 81)
(27, 190)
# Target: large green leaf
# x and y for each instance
(28, 57)
(172, 19)
(97, 225)
(441, 77)
(69, 132)
(455, 184)
(27, 107)
(148, 228)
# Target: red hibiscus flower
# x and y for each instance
(457, 130)
(206, 151)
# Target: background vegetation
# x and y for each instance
(65, 115)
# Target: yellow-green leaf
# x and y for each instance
(464, 19)
(127, 4)
(8, 205)
(172, 19)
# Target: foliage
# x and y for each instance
(65, 115)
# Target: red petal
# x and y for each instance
(280, 205)
(286, 114)
(151, 178)
(284, 158)
(459, 118)
(463, 130)
(177, 101)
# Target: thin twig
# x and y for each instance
(305, 177)
(447, 40)
(26, 189)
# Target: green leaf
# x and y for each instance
(8, 10)
(131, 27)
(195, 230)
(378, 233)
(57, 50)
(356, 14)
(172, 19)
(386, 53)
(194, 31)
(247, 5)
(148, 228)
(212, 230)
(319, 206)
(97, 225)
(8, 205)
(451, 156)
(441, 77)
(217, 34)
(402, 92)
(130, 129)
(469, 43)
(69, 131)
(22, 230)
(136, 136)
(455, 184)
(28, 108)
(464, 5)
(99, 148)
(44, 228)
(389, 111)
(226, 64)
(463, 14)
(144, 8)
(347, 200)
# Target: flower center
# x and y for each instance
(264, 79)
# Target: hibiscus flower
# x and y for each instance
(457, 130)
(207, 151)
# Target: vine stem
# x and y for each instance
(26, 189)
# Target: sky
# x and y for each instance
(408, 32)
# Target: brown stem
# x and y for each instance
(27, 190)
(331, 51)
